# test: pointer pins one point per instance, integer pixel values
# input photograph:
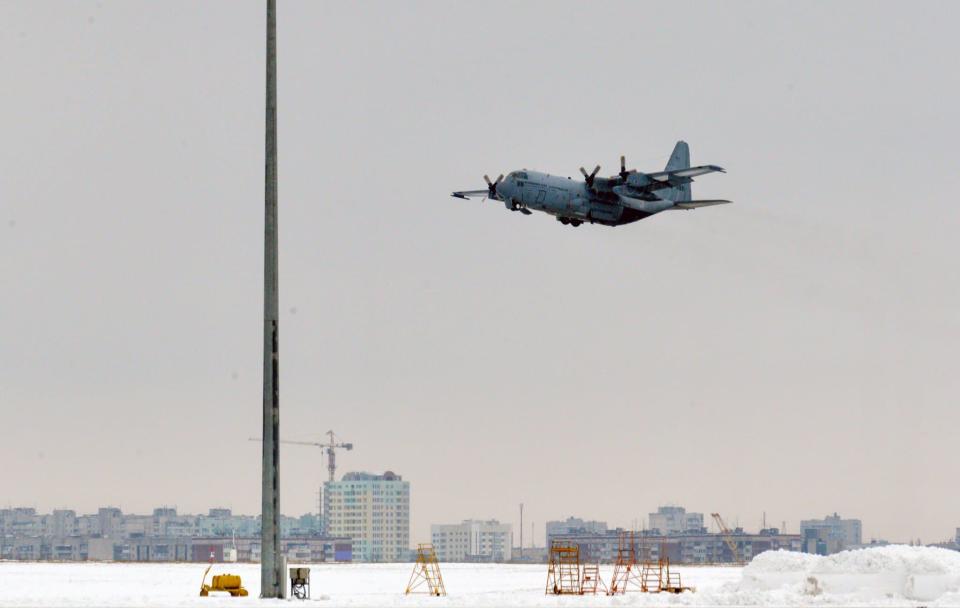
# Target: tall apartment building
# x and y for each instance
(675, 520)
(373, 510)
(110, 522)
(62, 522)
(473, 540)
(166, 522)
(830, 534)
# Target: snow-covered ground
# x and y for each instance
(886, 576)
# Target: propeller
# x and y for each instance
(492, 186)
(623, 168)
(588, 177)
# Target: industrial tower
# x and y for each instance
(271, 566)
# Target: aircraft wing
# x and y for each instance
(665, 176)
(700, 203)
(467, 194)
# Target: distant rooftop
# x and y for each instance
(364, 476)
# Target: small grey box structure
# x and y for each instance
(300, 583)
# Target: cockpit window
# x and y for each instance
(520, 175)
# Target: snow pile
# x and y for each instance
(891, 572)
(777, 569)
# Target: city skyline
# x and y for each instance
(369, 522)
(640, 524)
(791, 353)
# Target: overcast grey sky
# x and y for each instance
(793, 353)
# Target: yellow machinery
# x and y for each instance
(426, 573)
(626, 571)
(590, 581)
(567, 576)
(227, 583)
(728, 538)
(657, 578)
(563, 569)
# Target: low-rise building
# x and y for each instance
(701, 548)
(72, 548)
(531, 555)
(573, 525)
(21, 522)
(164, 535)
(473, 540)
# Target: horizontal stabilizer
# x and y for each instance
(702, 203)
(664, 176)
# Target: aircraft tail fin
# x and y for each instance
(680, 159)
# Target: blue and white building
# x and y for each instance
(374, 511)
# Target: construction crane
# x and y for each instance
(330, 446)
(727, 537)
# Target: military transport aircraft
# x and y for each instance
(620, 199)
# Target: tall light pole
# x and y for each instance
(271, 576)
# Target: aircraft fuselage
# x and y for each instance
(566, 199)
(619, 199)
